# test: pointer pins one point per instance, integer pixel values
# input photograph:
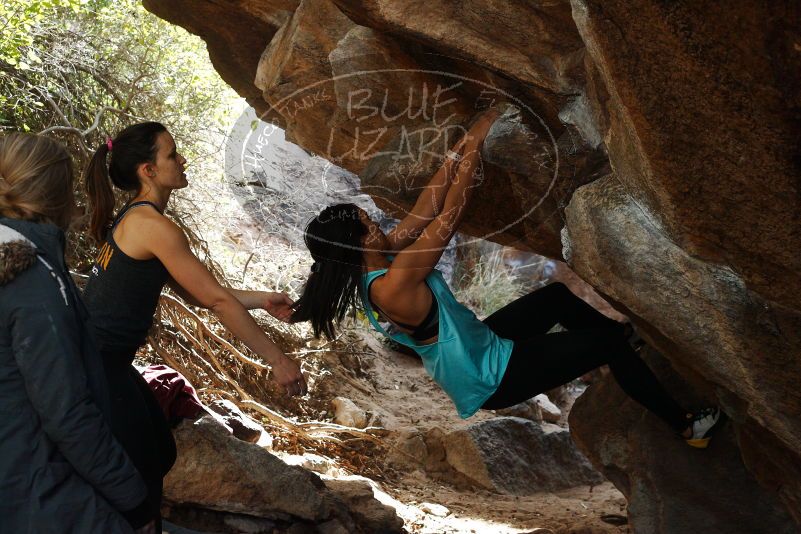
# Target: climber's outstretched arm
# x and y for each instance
(431, 200)
(413, 263)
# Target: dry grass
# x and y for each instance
(488, 284)
(219, 367)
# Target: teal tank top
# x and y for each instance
(467, 360)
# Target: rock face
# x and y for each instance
(352, 93)
(704, 132)
(687, 307)
(241, 426)
(372, 515)
(216, 472)
(652, 467)
(539, 48)
(660, 139)
(702, 258)
(518, 456)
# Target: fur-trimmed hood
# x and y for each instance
(22, 242)
(17, 253)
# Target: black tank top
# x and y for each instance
(122, 294)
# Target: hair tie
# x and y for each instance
(315, 268)
(109, 144)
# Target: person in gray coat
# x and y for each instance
(61, 470)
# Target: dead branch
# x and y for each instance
(201, 326)
(94, 125)
(306, 428)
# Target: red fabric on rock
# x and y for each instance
(175, 394)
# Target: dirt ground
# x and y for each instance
(574, 511)
(398, 396)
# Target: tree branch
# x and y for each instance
(82, 133)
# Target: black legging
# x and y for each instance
(139, 425)
(541, 361)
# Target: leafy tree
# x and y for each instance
(17, 21)
(79, 70)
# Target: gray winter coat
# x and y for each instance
(61, 470)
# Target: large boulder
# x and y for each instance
(294, 73)
(663, 479)
(223, 479)
(704, 316)
(518, 456)
(218, 471)
(352, 92)
(539, 46)
(704, 131)
(695, 233)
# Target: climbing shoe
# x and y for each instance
(703, 423)
(634, 339)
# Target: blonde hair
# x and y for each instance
(36, 179)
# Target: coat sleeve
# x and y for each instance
(46, 345)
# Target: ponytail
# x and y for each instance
(133, 146)
(99, 194)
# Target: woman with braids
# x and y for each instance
(499, 362)
(61, 469)
(142, 250)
